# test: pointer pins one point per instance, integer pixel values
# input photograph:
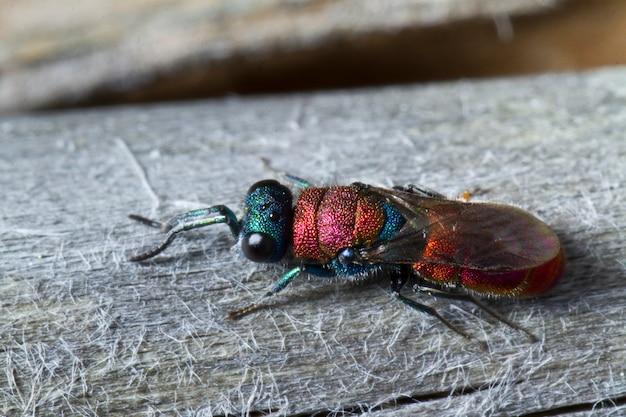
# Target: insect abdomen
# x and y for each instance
(328, 219)
(521, 283)
(532, 267)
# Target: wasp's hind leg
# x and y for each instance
(292, 179)
(443, 293)
(399, 277)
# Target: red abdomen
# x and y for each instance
(443, 243)
(522, 283)
(328, 219)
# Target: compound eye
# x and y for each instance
(258, 247)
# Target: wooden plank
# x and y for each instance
(160, 49)
(86, 332)
(153, 50)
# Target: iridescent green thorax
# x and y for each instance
(268, 211)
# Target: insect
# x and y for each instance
(452, 249)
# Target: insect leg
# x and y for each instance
(148, 222)
(278, 286)
(187, 221)
(465, 196)
(422, 191)
(296, 181)
(431, 311)
(467, 297)
(399, 277)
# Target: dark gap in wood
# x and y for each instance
(407, 400)
(580, 407)
(395, 402)
(547, 41)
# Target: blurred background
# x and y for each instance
(69, 53)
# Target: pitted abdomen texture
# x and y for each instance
(329, 219)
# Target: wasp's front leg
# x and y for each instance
(279, 285)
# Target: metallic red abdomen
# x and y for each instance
(445, 240)
(522, 283)
(328, 219)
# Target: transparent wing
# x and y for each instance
(482, 236)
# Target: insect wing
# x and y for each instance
(482, 236)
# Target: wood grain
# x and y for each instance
(85, 332)
(69, 52)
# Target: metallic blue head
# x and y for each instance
(267, 221)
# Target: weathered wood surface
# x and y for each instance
(56, 53)
(63, 52)
(59, 53)
(85, 332)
